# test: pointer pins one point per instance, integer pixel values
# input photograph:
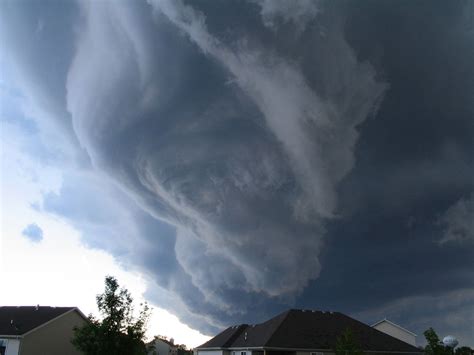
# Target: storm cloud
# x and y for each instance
(248, 156)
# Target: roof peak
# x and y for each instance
(303, 310)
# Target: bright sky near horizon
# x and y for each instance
(58, 269)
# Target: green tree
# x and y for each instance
(434, 346)
(347, 345)
(119, 332)
(463, 350)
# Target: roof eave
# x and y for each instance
(10, 336)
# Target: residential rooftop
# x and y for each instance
(306, 330)
(22, 319)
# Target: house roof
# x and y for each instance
(15, 321)
(306, 329)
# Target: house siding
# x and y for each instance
(54, 338)
(13, 347)
(396, 332)
(211, 352)
(240, 351)
(160, 347)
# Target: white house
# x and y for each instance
(39, 330)
(395, 331)
(160, 346)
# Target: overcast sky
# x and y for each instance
(227, 160)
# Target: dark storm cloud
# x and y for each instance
(412, 184)
(273, 153)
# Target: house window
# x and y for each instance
(243, 353)
(317, 353)
(3, 346)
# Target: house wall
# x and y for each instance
(54, 338)
(163, 348)
(396, 332)
(211, 352)
(13, 346)
(240, 352)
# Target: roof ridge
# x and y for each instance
(286, 314)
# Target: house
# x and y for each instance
(302, 332)
(395, 331)
(162, 346)
(38, 330)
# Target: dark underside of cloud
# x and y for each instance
(267, 154)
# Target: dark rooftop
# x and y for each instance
(300, 329)
(20, 320)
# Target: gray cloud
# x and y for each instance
(444, 312)
(298, 13)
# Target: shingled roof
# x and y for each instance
(312, 330)
(16, 321)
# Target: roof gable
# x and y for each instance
(386, 321)
(16, 321)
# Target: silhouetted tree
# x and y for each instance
(436, 347)
(119, 332)
(464, 350)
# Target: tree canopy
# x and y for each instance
(436, 347)
(118, 331)
(347, 345)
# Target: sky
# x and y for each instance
(228, 160)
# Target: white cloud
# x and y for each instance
(458, 222)
(111, 49)
(297, 12)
